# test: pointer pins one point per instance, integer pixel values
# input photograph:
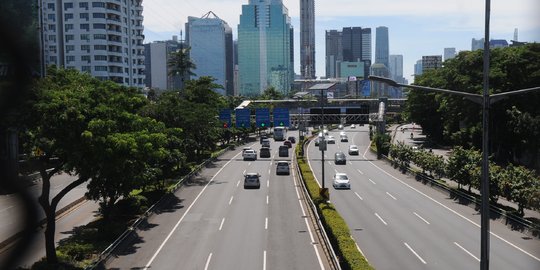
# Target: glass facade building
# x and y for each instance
(264, 48)
(382, 50)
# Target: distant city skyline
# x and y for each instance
(416, 28)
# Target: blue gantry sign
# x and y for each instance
(243, 118)
(225, 118)
(281, 117)
(262, 117)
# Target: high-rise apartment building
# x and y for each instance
(352, 44)
(382, 50)
(210, 40)
(103, 38)
(307, 39)
(156, 59)
(265, 46)
(449, 53)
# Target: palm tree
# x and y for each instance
(181, 65)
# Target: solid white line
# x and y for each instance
(372, 182)
(382, 220)
(230, 201)
(453, 211)
(421, 218)
(185, 213)
(267, 199)
(466, 251)
(358, 247)
(221, 225)
(336, 170)
(249, 163)
(360, 171)
(357, 195)
(414, 252)
(264, 260)
(391, 196)
(208, 262)
(266, 223)
(329, 162)
(244, 172)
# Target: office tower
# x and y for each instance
(418, 68)
(307, 39)
(449, 53)
(103, 38)
(379, 89)
(477, 44)
(395, 63)
(498, 43)
(334, 53)
(381, 45)
(431, 62)
(264, 48)
(211, 49)
(353, 44)
(156, 58)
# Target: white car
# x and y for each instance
(353, 149)
(330, 140)
(353, 126)
(341, 180)
(340, 127)
(249, 154)
(342, 133)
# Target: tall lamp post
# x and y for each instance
(486, 100)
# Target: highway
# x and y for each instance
(399, 223)
(214, 223)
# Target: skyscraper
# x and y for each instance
(264, 48)
(307, 39)
(353, 44)
(449, 53)
(382, 46)
(156, 58)
(477, 44)
(334, 53)
(103, 38)
(396, 66)
(210, 40)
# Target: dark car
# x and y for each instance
(292, 139)
(252, 180)
(264, 152)
(283, 151)
(282, 167)
(287, 143)
(339, 158)
(263, 137)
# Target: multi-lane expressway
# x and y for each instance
(214, 223)
(398, 223)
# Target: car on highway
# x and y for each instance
(340, 127)
(344, 138)
(249, 154)
(330, 140)
(341, 180)
(353, 150)
(287, 143)
(282, 167)
(339, 158)
(264, 152)
(292, 139)
(252, 180)
(265, 143)
(263, 137)
(283, 151)
(342, 133)
(353, 126)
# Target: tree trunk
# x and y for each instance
(50, 249)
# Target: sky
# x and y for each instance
(416, 27)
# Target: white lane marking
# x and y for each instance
(185, 213)
(249, 164)
(267, 183)
(382, 220)
(230, 201)
(336, 170)
(367, 149)
(266, 223)
(244, 172)
(208, 262)
(238, 183)
(329, 162)
(360, 171)
(358, 247)
(466, 251)
(267, 199)
(372, 182)
(453, 211)
(269, 171)
(264, 260)
(421, 218)
(414, 252)
(387, 193)
(358, 195)
(221, 225)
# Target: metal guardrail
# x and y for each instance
(105, 255)
(329, 250)
(526, 227)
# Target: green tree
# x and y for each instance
(382, 142)
(463, 166)
(180, 64)
(520, 185)
(271, 93)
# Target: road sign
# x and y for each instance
(281, 117)
(243, 118)
(262, 117)
(329, 95)
(225, 118)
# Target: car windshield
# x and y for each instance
(341, 177)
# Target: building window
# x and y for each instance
(50, 6)
(85, 48)
(52, 49)
(98, 15)
(51, 17)
(85, 58)
(69, 38)
(85, 26)
(100, 47)
(68, 16)
(99, 26)
(85, 37)
(100, 68)
(53, 59)
(98, 4)
(52, 38)
(85, 69)
(100, 57)
(68, 5)
(69, 26)
(100, 36)
(83, 16)
(70, 48)
(52, 27)
(70, 58)
(83, 5)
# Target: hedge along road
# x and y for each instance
(399, 223)
(214, 223)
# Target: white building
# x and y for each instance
(156, 59)
(101, 37)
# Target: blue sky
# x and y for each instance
(416, 27)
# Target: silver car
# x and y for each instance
(353, 150)
(282, 167)
(252, 180)
(341, 180)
